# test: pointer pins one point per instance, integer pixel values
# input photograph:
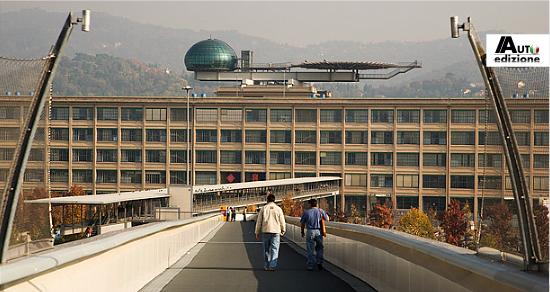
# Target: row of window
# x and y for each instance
(300, 136)
(284, 115)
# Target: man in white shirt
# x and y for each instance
(271, 224)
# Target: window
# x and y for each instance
(430, 181)
(306, 116)
(330, 158)
(437, 204)
(155, 177)
(36, 155)
(406, 180)
(180, 115)
(306, 137)
(107, 113)
(83, 134)
(82, 155)
(355, 180)
(408, 137)
(523, 138)
(9, 112)
(406, 202)
(462, 181)
(178, 156)
(408, 116)
(230, 157)
(107, 135)
(489, 138)
(357, 116)
(256, 115)
(131, 135)
(331, 137)
(381, 180)
(381, 137)
(232, 136)
(6, 154)
(231, 115)
(462, 160)
(59, 175)
(156, 135)
(331, 116)
(381, 158)
(206, 115)
(280, 115)
(178, 135)
(280, 157)
(356, 158)
(382, 116)
(541, 138)
(541, 116)
(132, 114)
(279, 175)
(60, 113)
(205, 177)
(158, 156)
(280, 136)
(305, 158)
(489, 115)
(178, 177)
(435, 159)
(407, 159)
(130, 155)
(435, 138)
(12, 134)
(489, 182)
(490, 160)
(356, 137)
(82, 175)
(58, 154)
(525, 161)
(106, 155)
(59, 134)
(540, 183)
(130, 176)
(206, 156)
(435, 116)
(255, 136)
(106, 176)
(520, 116)
(462, 138)
(540, 161)
(155, 114)
(463, 116)
(254, 157)
(304, 174)
(207, 136)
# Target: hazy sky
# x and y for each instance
(302, 23)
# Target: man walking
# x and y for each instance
(271, 225)
(311, 220)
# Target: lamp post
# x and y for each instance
(187, 89)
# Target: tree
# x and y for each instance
(499, 232)
(417, 223)
(73, 214)
(286, 205)
(31, 218)
(469, 237)
(354, 217)
(454, 224)
(381, 216)
(541, 220)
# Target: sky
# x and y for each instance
(311, 22)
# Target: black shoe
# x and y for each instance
(320, 267)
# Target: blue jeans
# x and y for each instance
(270, 243)
(314, 241)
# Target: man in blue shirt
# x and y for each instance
(314, 239)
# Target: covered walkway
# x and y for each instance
(232, 261)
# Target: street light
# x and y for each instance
(187, 89)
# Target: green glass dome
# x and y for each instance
(210, 55)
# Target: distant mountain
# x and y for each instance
(120, 37)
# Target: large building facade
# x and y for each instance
(418, 152)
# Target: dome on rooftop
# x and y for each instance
(210, 55)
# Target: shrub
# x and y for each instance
(417, 223)
(454, 224)
(381, 216)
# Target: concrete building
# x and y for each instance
(408, 152)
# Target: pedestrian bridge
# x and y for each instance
(206, 254)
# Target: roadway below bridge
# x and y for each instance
(232, 260)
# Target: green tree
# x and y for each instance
(417, 223)
(454, 223)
